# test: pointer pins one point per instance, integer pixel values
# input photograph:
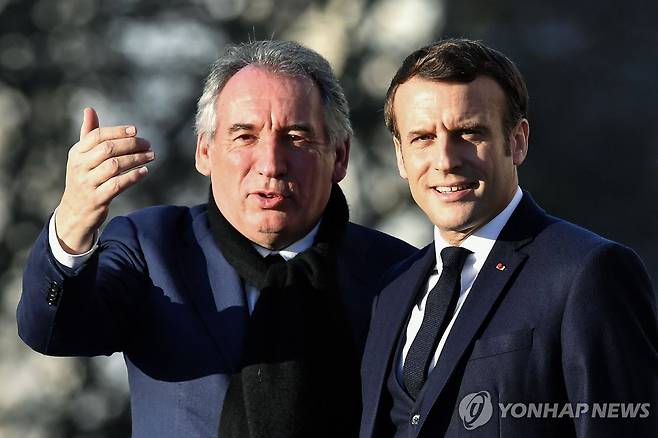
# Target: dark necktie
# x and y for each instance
(274, 259)
(440, 306)
(276, 271)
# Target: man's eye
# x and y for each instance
(423, 138)
(471, 134)
(297, 139)
(244, 138)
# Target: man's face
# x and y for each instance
(269, 162)
(460, 164)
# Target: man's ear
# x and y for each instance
(342, 158)
(400, 159)
(519, 142)
(202, 155)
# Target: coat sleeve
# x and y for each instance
(88, 311)
(609, 339)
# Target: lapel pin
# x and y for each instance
(500, 266)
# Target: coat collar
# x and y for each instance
(215, 289)
(525, 223)
(397, 299)
(217, 292)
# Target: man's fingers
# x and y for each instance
(114, 148)
(89, 121)
(99, 135)
(116, 185)
(117, 165)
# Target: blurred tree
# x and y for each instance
(590, 68)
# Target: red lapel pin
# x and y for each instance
(500, 266)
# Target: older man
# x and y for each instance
(255, 305)
(512, 323)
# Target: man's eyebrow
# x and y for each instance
(240, 127)
(419, 132)
(298, 127)
(472, 124)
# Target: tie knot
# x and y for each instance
(453, 257)
(274, 259)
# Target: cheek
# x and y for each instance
(417, 166)
(311, 166)
(237, 160)
(483, 162)
(234, 166)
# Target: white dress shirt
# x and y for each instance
(74, 261)
(480, 243)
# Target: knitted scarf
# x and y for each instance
(299, 373)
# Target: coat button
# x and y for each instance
(54, 292)
(415, 420)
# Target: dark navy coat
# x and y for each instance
(557, 314)
(159, 290)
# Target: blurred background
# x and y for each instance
(591, 69)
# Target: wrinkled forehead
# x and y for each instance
(256, 95)
(255, 80)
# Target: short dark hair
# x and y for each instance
(462, 60)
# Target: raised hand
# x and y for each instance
(105, 162)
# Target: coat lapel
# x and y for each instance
(489, 285)
(491, 282)
(215, 290)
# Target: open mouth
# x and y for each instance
(269, 199)
(456, 188)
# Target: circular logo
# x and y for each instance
(475, 409)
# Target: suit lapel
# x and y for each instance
(393, 309)
(482, 298)
(215, 290)
(504, 260)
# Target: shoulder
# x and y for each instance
(557, 238)
(374, 243)
(563, 240)
(577, 257)
(571, 235)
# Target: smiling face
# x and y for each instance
(270, 166)
(460, 163)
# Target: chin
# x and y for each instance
(443, 218)
(276, 224)
(270, 227)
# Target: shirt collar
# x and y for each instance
(484, 238)
(293, 249)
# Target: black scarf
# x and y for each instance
(299, 373)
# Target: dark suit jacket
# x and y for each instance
(570, 319)
(159, 290)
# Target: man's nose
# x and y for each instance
(271, 157)
(447, 153)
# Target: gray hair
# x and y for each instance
(281, 57)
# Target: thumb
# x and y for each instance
(89, 122)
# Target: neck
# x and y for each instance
(456, 237)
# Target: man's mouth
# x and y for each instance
(268, 200)
(456, 188)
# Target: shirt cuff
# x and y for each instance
(72, 261)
